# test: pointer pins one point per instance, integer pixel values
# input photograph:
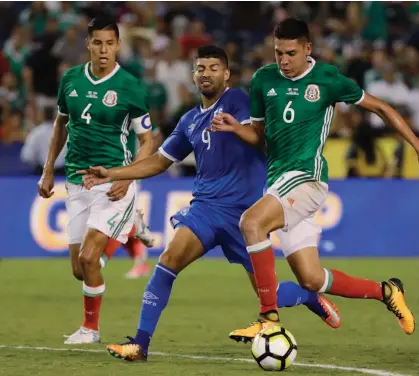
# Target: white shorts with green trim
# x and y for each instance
(300, 196)
(94, 209)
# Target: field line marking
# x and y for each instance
(366, 371)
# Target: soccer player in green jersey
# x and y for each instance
(292, 104)
(98, 103)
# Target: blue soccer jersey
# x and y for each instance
(229, 172)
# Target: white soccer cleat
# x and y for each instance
(142, 232)
(83, 336)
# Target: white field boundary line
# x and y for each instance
(366, 371)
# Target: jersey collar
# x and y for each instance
(312, 63)
(103, 79)
(213, 105)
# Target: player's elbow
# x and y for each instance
(377, 106)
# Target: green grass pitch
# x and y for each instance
(40, 301)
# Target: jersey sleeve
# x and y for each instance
(177, 146)
(61, 102)
(140, 118)
(240, 107)
(347, 90)
(257, 105)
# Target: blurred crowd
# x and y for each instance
(374, 43)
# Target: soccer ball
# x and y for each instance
(274, 348)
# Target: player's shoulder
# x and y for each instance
(188, 116)
(130, 82)
(266, 71)
(75, 71)
(326, 70)
(235, 94)
(123, 73)
(234, 97)
(129, 79)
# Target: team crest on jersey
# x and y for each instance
(110, 99)
(312, 93)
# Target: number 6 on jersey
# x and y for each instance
(85, 115)
(288, 110)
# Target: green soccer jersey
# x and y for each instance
(132, 143)
(297, 113)
(101, 113)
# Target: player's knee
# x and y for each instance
(248, 223)
(87, 260)
(312, 282)
(78, 274)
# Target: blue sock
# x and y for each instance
(155, 299)
(291, 294)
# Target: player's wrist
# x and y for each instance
(48, 170)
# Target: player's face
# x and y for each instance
(103, 46)
(291, 56)
(210, 76)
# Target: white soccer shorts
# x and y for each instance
(300, 199)
(94, 209)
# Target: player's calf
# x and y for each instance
(93, 287)
(75, 262)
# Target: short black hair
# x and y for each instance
(102, 23)
(292, 28)
(210, 50)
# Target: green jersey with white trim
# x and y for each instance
(297, 113)
(101, 113)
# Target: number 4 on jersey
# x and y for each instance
(85, 114)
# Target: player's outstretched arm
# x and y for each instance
(145, 168)
(252, 134)
(56, 144)
(391, 117)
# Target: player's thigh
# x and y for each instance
(201, 220)
(299, 246)
(77, 205)
(299, 197)
(184, 248)
(265, 215)
(230, 238)
(112, 218)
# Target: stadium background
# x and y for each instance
(373, 206)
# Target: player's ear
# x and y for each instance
(87, 43)
(194, 76)
(227, 74)
(118, 45)
(309, 48)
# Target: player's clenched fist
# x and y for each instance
(46, 184)
(223, 122)
(94, 176)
